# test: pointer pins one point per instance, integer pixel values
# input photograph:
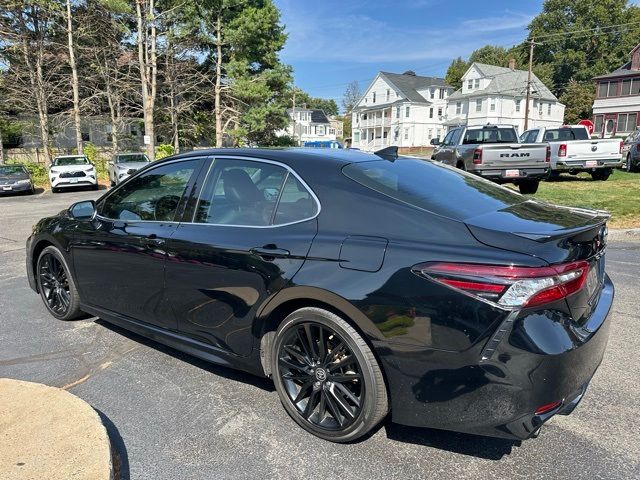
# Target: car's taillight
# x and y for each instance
(477, 156)
(562, 150)
(547, 158)
(509, 286)
(621, 145)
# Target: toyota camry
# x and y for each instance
(364, 285)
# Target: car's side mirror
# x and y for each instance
(435, 142)
(85, 210)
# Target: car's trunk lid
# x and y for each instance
(554, 234)
(514, 155)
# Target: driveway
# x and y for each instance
(171, 416)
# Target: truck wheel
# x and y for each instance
(629, 166)
(553, 175)
(460, 165)
(601, 175)
(528, 187)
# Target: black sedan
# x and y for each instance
(362, 284)
(15, 179)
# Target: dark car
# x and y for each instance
(361, 284)
(631, 152)
(15, 179)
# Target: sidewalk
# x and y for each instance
(48, 433)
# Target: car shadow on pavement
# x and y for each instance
(221, 371)
(465, 444)
(119, 456)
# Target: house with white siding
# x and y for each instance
(617, 103)
(309, 125)
(405, 110)
(497, 95)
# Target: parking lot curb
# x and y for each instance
(49, 433)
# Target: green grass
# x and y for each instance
(619, 195)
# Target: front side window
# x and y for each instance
(447, 138)
(153, 196)
(252, 193)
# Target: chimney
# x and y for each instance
(512, 63)
(635, 58)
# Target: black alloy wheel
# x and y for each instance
(327, 377)
(56, 286)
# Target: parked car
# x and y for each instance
(15, 179)
(72, 171)
(574, 151)
(493, 152)
(631, 152)
(361, 284)
(123, 165)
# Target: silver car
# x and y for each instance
(122, 165)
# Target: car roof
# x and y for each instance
(70, 156)
(289, 156)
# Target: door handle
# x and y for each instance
(270, 253)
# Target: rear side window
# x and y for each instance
(562, 134)
(490, 135)
(432, 187)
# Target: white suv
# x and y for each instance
(72, 171)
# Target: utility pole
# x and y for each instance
(293, 112)
(532, 43)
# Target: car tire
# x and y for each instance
(56, 285)
(553, 175)
(95, 187)
(308, 371)
(112, 183)
(528, 187)
(54, 190)
(601, 175)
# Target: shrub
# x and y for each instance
(37, 171)
(164, 150)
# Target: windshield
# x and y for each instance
(560, 134)
(12, 170)
(490, 135)
(132, 158)
(62, 161)
(433, 187)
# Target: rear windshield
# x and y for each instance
(560, 134)
(490, 135)
(62, 161)
(433, 187)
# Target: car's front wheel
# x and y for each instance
(327, 377)
(57, 288)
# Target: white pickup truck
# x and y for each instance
(573, 151)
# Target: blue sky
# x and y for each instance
(333, 42)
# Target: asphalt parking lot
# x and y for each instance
(171, 416)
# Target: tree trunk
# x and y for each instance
(148, 69)
(1, 149)
(218, 87)
(74, 82)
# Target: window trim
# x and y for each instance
(290, 171)
(153, 166)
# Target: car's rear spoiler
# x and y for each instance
(388, 153)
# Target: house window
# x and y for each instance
(406, 134)
(388, 94)
(373, 98)
(85, 136)
(635, 86)
(407, 111)
(549, 109)
(385, 134)
(398, 112)
(518, 102)
(431, 112)
(477, 82)
(470, 84)
(626, 87)
(478, 104)
(438, 133)
(627, 122)
(597, 129)
(492, 105)
(613, 89)
(306, 129)
(356, 137)
(321, 130)
(540, 106)
(458, 108)
(429, 134)
(433, 93)
(441, 94)
(439, 112)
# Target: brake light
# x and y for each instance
(621, 145)
(562, 150)
(548, 156)
(547, 407)
(477, 156)
(509, 286)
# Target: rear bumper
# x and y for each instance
(500, 175)
(543, 358)
(15, 188)
(580, 165)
